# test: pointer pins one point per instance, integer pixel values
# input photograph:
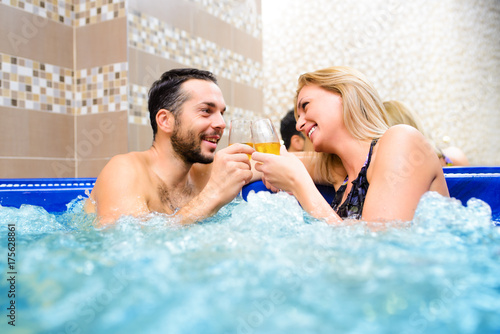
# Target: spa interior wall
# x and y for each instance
(442, 58)
(75, 74)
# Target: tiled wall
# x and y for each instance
(220, 36)
(442, 58)
(36, 112)
(75, 74)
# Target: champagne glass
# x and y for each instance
(240, 131)
(265, 137)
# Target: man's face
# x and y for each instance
(199, 124)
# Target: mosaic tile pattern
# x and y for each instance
(101, 89)
(235, 112)
(153, 36)
(55, 10)
(72, 12)
(440, 58)
(138, 105)
(139, 113)
(242, 14)
(88, 12)
(32, 85)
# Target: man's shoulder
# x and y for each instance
(132, 159)
(130, 165)
(121, 185)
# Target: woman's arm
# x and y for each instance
(287, 172)
(404, 168)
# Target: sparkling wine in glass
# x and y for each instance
(240, 131)
(265, 137)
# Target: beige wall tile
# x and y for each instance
(140, 137)
(211, 28)
(246, 45)
(51, 135)
(101, 43)
(90, 167)
(247, 97)
(34, 37)
(14, 134)
(30, 133)
(36, 168)
(101, 135)
(178, 13)
(145, 68)
(226, 86)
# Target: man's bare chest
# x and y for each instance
(168, 200)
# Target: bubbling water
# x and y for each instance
(262, 266)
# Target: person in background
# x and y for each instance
(180, 175)
(293, 140)
(384, 170)
(399, 113)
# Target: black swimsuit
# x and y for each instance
(353, 205)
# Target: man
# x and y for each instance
(293, 140)
(180, 174)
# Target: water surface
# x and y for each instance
(262, 266)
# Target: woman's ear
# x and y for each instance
(165, 120)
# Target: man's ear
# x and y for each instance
(165, 120)
(297, 143)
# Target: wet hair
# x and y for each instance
(166, 93)
(288, 128)
(363, 111)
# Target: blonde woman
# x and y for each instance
(399, 113)
(383, 171)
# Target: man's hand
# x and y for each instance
(231, 170)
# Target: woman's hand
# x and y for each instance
(280, 172)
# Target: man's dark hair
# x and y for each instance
(166, 93)
(288, 129)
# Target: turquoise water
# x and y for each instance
(261, 266)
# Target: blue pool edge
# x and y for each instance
(53, 194)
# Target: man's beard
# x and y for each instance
(188, 146)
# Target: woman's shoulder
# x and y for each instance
(402, 144)
(401, 131)
(400, 137)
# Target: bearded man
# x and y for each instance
(180, 175)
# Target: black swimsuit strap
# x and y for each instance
(353, 205)
(369, 158)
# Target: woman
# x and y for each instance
(384, 170)
(398, 113)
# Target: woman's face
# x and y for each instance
(320, 117)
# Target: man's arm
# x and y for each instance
(117, 191)
(119, 188)
(230, 171)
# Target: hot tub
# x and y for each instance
(257, 266)
(53, 194)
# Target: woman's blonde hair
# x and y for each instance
(399, 113)
(363, 111)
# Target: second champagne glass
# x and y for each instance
(240, 131)
(265, 137)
